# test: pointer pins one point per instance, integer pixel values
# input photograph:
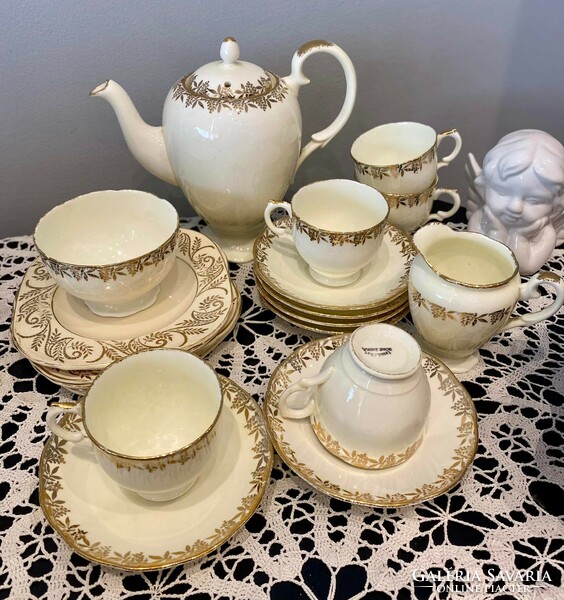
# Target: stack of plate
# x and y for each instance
(378, 296)
(196, 308)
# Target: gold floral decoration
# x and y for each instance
(335, 238)
(312, 45)
(498, 317)
(36, 330)
(58, 514)
(197, 93)
(460, 400)
(399, 170)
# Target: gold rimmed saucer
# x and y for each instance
(111, 526)
(319, 317)
(332, 327)
(79, 381)
(55, 330)
(280, 269)
(445, 454)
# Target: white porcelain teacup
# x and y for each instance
(463, 288)
(152, 420)
(336, 226)
(369, 404)
(408, 212)
(401, 158)
(110, 248)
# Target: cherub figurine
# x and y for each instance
(518, 196)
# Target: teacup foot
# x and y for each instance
(331, 280)
(125, 309)
(168, 495)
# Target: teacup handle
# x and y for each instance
(453, 133)
(445, 214)
(270, 208)
(305, 384)
(529, 290)
(64, 408)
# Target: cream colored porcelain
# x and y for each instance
(401, 158)
(152, 421)
(79, 381)
(111, 248)
(463, 288)
(109, 525)
(231, 138)
(408, 212)
(446, 452)
(370, 401)
(277, 263)
(336, 227)
(193, 306)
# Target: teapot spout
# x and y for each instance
(145, 142)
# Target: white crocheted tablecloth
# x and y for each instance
(505, 516)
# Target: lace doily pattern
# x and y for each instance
(504, 517)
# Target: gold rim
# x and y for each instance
(389, 306)
(332, 321)
(193, 443)
(54, 510)
(462, 459)
(472, 285)
(331, 330)
(398, 238)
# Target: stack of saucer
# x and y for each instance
(197, 306)
(378, 296)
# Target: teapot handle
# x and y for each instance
(297, 78)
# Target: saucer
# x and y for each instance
(447, 450)
(79, 381)
(278, 265)
(330, 326)
(111, 526)
(54, 329)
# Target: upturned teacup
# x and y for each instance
(401, 158)
(370, 402)
(336, 227)
(152, 421)
(408, 212)
(110, 248)
(463, 288)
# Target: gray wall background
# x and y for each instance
(486, 67)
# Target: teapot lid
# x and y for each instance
(230, 83)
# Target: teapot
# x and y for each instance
(230, 138)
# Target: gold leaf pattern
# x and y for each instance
(399, 170)
(464, 318)
(197, 93)
(35, 327)
(451, 475)
(80, 541)
(336, 238)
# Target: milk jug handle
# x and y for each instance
(57, 409)
(308, 385)
(297, 78)
(530, 290)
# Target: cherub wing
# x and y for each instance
(475, 198)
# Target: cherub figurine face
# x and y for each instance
(517, 197)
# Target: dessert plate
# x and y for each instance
(79, 381)
(277, 264)
(447, 450)
(112, 526)
(56, 330)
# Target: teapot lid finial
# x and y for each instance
(229, 50)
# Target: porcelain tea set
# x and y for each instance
(162, 460)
